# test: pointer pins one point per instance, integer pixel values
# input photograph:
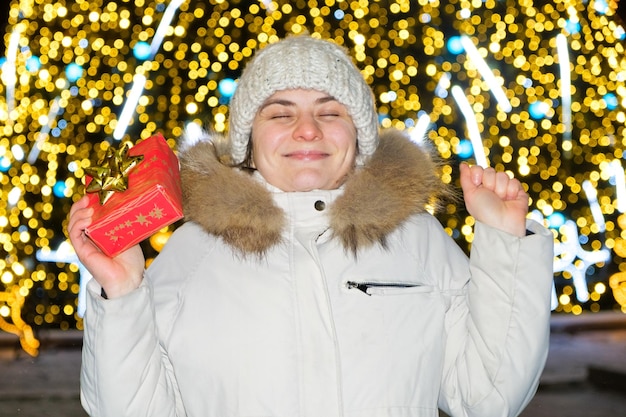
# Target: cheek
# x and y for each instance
(262, 145)
(348, 141)
(265, 155)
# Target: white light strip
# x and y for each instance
(589, 258)
(193, 134)
(596, 211)
(44, 132)
(130, 106)
(269, 5)
(566, 91)
(14, 196)
(168, 16)
(579, 279)
(421, 127)
(472, 126)
(566, 253)
(487, 73)
(139, 81)
(441, 90)
(617, 171)
(65, 254)
(9, 75)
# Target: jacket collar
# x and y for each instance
(398, 181)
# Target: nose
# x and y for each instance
(307, 128)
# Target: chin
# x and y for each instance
(303, 186)
(308, 180)
(316, 186)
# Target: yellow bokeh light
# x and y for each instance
(59, 122)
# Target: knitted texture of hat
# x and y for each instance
(302, 62)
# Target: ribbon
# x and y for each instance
(111, 173)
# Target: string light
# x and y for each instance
(566, 89)
(69, 67)
(486, 73)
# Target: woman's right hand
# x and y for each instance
(118, 275)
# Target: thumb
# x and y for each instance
(468, 183)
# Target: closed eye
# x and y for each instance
(279, 114)
(330, 111)
(331, 108)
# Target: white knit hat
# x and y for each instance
(307, 63)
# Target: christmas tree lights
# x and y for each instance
(536, 89)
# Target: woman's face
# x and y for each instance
(303, 140)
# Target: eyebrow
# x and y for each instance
(289, 103)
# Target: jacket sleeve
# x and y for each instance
(498, 329)
(124, 370)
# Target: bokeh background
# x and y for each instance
(534, 88)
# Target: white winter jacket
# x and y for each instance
(321, 320)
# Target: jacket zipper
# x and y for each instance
(364, 286)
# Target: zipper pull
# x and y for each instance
(359, 286)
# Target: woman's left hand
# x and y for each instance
(495, 199)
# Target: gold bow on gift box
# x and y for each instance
(111, 173)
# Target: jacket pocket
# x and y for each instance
(388, 288)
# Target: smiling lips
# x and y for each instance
(307, 155)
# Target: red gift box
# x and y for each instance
(152, 200)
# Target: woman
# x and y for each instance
(318, 285)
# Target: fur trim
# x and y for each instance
(399, 180)
(226, 202)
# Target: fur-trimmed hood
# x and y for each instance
(399, 180)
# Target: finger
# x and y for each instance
(465, 176)
(501, 187)
(76, 233)
(507, 188)
(79, 215)
(488, 179)
(78, 211)
(478, 174)
(77, 224)
(82, 203)
(515, 190)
